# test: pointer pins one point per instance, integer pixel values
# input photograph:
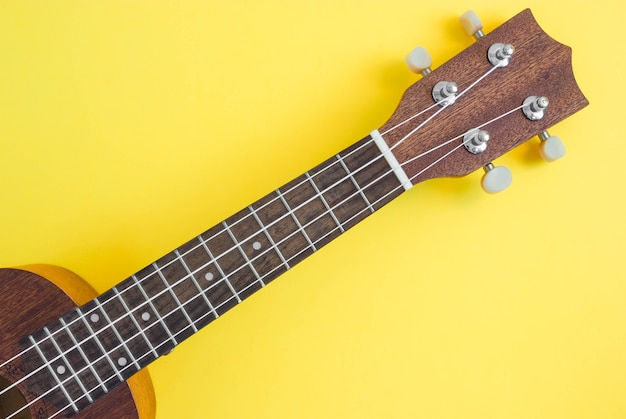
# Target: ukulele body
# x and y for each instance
(30, 298)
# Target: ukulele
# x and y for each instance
(85, 355)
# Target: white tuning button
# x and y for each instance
(496, 179)
(419, 61)
(472, 24)
(551, 147)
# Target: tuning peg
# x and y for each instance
(535, 107)
(496, 178)
(419, 61)
(472, 24)
(551, 147)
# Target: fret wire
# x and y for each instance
(238, 246)
(173, 294)
(195, 282)
(393, 190)
(95, 338)
(117, 333)
(105, 354)
(226, 278)
(396, 189)
(330, 212)
(219, 268)
(132, 318)
(137, 283)
(354, 182)
(59, 383)
(291, 213)
(248, 286)
(82, 353)
(295, 219)
(357, 213)
(156, 313)
(321, 238)
(269, 237)
(67, 362)
(371, 141)
(366, 142)
(235, 294)
(302, 228)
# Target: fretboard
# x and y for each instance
(95, 347)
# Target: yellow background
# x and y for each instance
(127, 127)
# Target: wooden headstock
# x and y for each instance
(540, 66)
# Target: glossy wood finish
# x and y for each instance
(83, 353)
(539, 66)
(28, 302)
(120, 332)
(148, 314)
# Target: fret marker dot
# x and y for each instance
(60, 370)
(145, 316)
(208, 276)
(94, 318)
(122, 361)
(256, 245)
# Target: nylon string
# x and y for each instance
(250, 285)
(444, 106)
(292, 210)
(217, 257)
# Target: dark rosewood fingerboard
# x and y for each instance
(92, 349)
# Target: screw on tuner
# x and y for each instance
(445, 93)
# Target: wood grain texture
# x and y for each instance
(243, 253)
(540, 66)
(27, 303)
(288, 225)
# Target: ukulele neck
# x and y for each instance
(149, 313)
